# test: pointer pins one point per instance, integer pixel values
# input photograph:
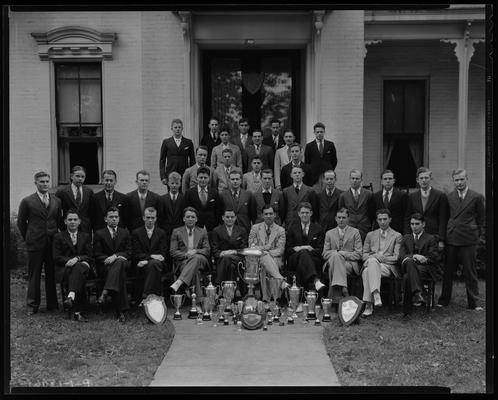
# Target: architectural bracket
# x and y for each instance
(318, 20)
(368, 43)
(185, 21)
(74, 42)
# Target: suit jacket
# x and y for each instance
(189, 178)
(63, 250)
(427, 246)
(175, 158)
(143, 247)
(207, 215)
(100, 206)
(327, 209)
(37, 223)
(265, 153)
(361, 216)
(68, 201)
(208, 141)
(391, 250)
(250, 183)
(397, 206)
(179, 245)
(320, 164)
(351, 244)
(282, 158)
(276, 242)
(268, 140)
(285, 175)
(245, 207)
(276, 201)
(104, 246)
(171, 214)
(217, 156)
(295, 237)
(134, 211)
(291, 202)
(466, 221)
(435, 213)
(220, 240)
(222, 177)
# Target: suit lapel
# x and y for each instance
(67, 238)
(363, 195)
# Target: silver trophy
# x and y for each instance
(305, 313)
(193, 313)
(275, 285)
(211, 292)
(327, 305)
(221, 309)
(206, 307)
(294, 295)
(177, 300)
(311, 297)
(228, 290)
(251, 268)
(317, 311)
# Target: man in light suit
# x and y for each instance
(418, 256)
(380, 258)
(217, 154)
(139, 200)
(282, 157)
(256, 148)
(328, 202)
(253, 179)
(239, 200)
(297, 193)
(212, 138)
(320, 154)
(267, 194)
(190, 251)
(342, 252)
(465, 227)
(76, 195)
(359, 202)
(189, 179)
(295, 161)
(38, 218)
(275, 139)
(226, 239)
(270, 238)
(242, 140)
(223, 170)
(393, 199)
(177, 152)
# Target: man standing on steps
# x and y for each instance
(212, 138)
(217, 153)
(257, 149)
(328, 202)
(242, 140)
(275, 140)
(139, 200)
(295, 161)
(282, 157)
(189, 179)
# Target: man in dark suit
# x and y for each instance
(212, 138)
(303, 249)
(320, 154)
(73, 258)
(139, 200)
(242, 140)
(172, 205)
(76, 195)
(239, 200)
(465, 226)
(226, 239)
(106, 198)
(328, 202)
(295, 161)
(393, 199)
(359, 202)
(177, 152)
(268, 195)
(38, 218)
(189, 178)
(295, 194)
(149, 249)
(275, 140)
(432, 204)
(254, 149)
(112, 252)
(205, 200)
(418, 256)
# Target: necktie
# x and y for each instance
(329, 193)
(424, 197)
(236, 195)
(229, 230)
(267, 197)
(173, 197)
(386, 199)
(243, 139)
(268, 232)
(415, 241)
(46, 200)
(78, 197)
(74, 239)
(191, 231)
(297, 189)
(275, 140)
(383, 234)
(341, 238)
(149, 234)
(142, 202)
(460, 196)
(257, 148)
(113, 234)
(320, 148)
(305, 231)
(356, 196)
(204, 197)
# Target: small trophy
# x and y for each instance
(228, 290)
(311, 297)
(305, 313)
(210, 292)
(317, 311)
(221, 310)
(294, 293)
(235, 310)
(275, 284)
(177, 300)
(193, 313)
(225, 319)
(205, 301)
(327, 305)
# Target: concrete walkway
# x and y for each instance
(207, 355)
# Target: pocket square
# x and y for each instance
(211, 200)
(186, 148)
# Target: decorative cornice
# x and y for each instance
(318, 21)
(464, 46)
(74, 42)
(368, 43)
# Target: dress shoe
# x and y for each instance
(418, 299)
(68, 304)
(121, 318)
(368, 310)
(377, 299)
(477, 308)
(80, 317)
(32, 311)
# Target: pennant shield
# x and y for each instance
(350, 309)
(155, 309)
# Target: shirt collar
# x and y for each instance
(464, 193)
(331, 191)
(428, 191)
(40, 195)
(355, 190)
(265, 190)
(199, 189)
(110, 229)
(384, 191)
(74, 188)
(140, 195)
(149, 230)
(298, 185)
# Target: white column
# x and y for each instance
(186, 25)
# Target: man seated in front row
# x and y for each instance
(112, 250)
(304, 245)
(418, 256)
(72, 251)
(269, 237)
(149, 249)
(190, 251)
(380, 256)
(226, 239)
(342, 250)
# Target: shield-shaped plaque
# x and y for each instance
(155, 308)
(350, 309)
(252, 81)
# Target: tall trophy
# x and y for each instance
(294, 294)
(193, 313)
(211, 292)
(177, 300)
(206, 306)
(327, 305)
(311, 297)
(275, 285)
(251, 268)
(221, 309)
(228, 290)
(305, 313)
(317, 311)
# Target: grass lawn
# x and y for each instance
(443, 348)
(49, 350)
